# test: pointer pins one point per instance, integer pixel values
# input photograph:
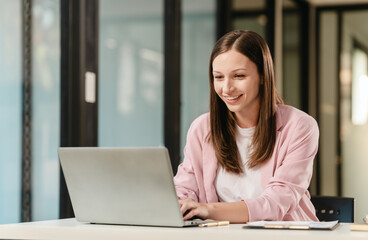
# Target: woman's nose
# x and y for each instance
(227, 87)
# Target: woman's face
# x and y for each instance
(236, 82)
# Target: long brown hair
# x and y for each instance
(223, 124)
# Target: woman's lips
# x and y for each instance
(232, 99)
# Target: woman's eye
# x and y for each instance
(218, 77)
(239, 76)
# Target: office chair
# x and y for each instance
(334, 208)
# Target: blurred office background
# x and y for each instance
(135, 73)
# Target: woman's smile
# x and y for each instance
(232, 99)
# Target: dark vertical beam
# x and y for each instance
(308, 58)
(270, 27)
(304, 54)
(172, 32)
(68, 94)
(91, 67)
(79, 58)
(223, 17)
(26, 207)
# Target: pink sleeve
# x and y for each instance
(292, 176)
(185, 183)
(188, 178)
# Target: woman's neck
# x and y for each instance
(248, 117)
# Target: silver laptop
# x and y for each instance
(132, 186)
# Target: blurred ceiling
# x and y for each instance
(336, 2)
(144, 8)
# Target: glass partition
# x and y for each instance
(198, 38)
(354, 108)
(250, 15)
(45, 109)
(328, 102)
(10, 110)
(130, 73)
(343, 105)
(291, 58)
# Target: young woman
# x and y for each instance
(251, 157)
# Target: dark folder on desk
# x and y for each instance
(297, 225)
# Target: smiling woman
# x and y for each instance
(236, 82)
(251, 157)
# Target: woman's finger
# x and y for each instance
(193, 212)
(186, 205)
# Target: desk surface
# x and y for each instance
(71, 229)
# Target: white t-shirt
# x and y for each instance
(232, 187)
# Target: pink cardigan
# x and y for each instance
(285, 177)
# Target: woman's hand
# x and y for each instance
(190, 208)
(235, 212)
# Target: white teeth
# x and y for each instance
(232, 98)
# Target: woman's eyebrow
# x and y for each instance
(239, 69)
(214, 71)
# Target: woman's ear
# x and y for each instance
(261, 80)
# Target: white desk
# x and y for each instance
(71, 229)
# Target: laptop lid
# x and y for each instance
(131, 186)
